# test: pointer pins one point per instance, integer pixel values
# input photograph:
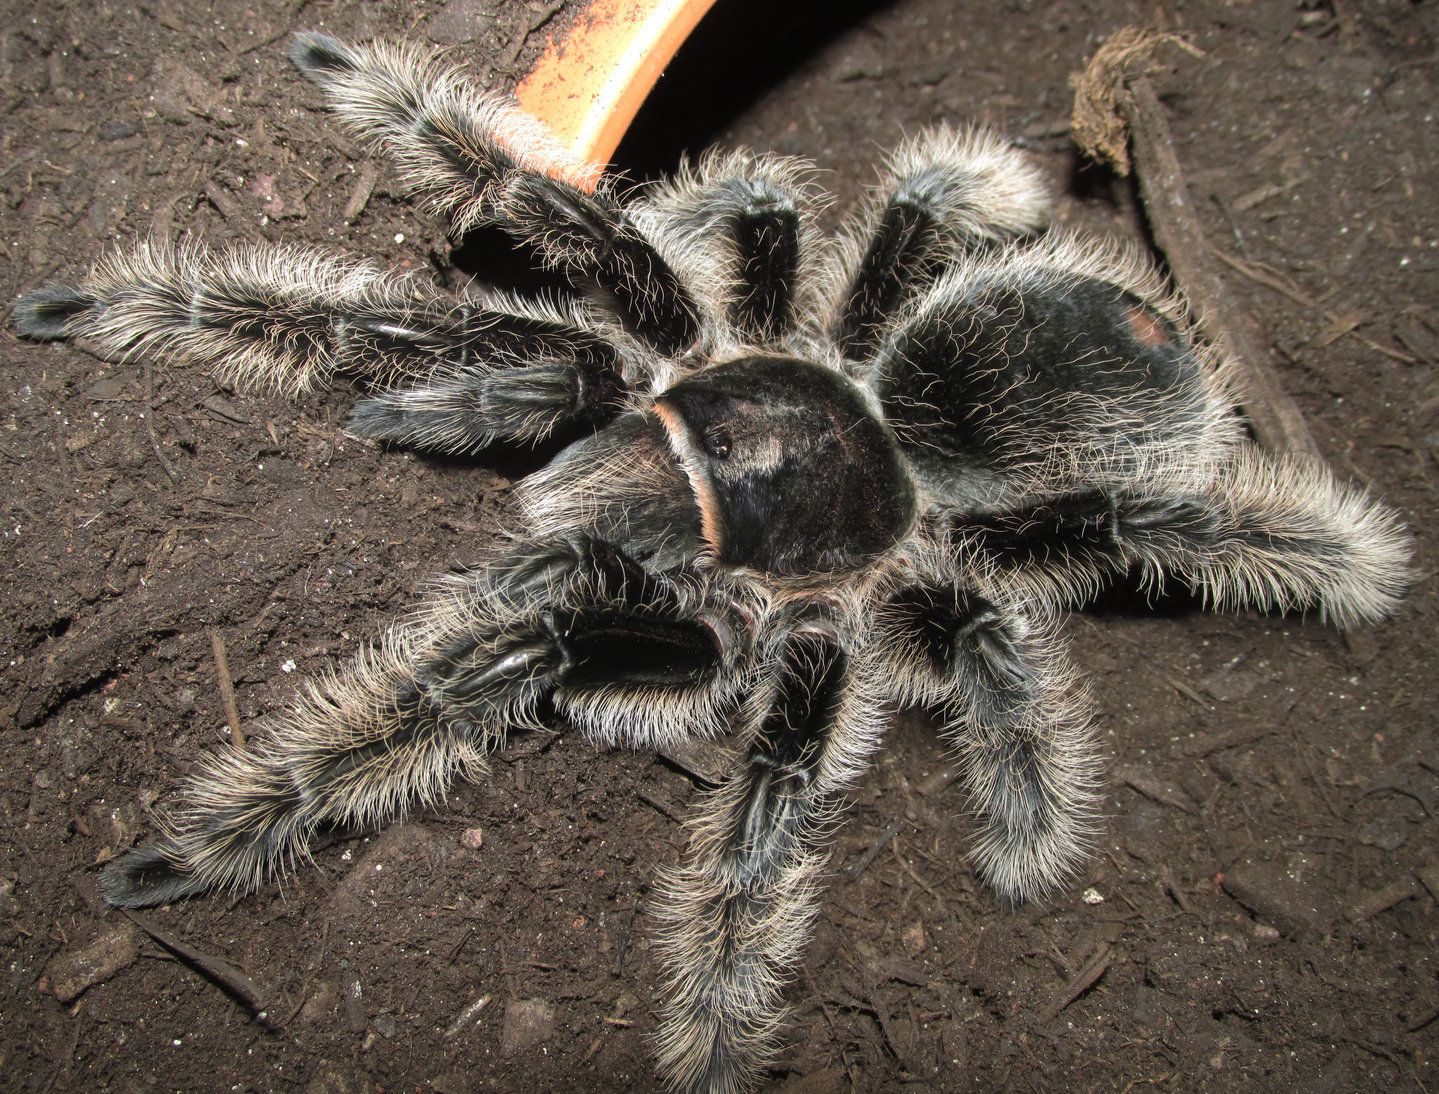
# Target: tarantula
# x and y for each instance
(813, 478)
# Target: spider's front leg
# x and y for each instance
(625, 655)
(736, 915)
(947, 194)
(287, 319)
(476, 159)
(1007, 700)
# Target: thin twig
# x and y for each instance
(1176, 892)
(1183, 689)
(659, 806)
(1083, 980)
(1275, 418)
(1422, 1021)
(618, 963)
(1256, 272)
(1369, 904)
(215, 969)
(1228, 738)
(150, 423)
(869, 856)
(467, 1016)
(227, 688)
(263, 43)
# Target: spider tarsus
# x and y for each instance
(56, 311)
(320, 57)
(148, 877)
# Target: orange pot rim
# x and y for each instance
(588, 83)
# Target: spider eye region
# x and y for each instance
(792, 471)
(719, 444)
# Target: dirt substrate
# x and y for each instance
(1255, 917)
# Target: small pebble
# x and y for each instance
(72, 972)
(528, 1022)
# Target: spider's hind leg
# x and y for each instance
(1293, 536)
(1275, 533)
(1008, 703)
(355, 750)
(736, 915)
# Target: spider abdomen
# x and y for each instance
(1000, 369)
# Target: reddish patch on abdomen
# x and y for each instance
(1147, 329)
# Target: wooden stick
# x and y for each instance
(1274, 416)
(1118, 119)
(213, 968)
(227, 689)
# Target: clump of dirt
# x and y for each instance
(1261, 911)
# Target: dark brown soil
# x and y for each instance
(1256, 917)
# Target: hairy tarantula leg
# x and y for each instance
(948, 192)
(1273, 533)
(764, 234)
(736, 915)
(1290, 536)
(627, 656)
(499, 332)
(1019, 726)
(476, 159)
(467, 409)
(357, 749)
(614, 647)
(739, 236)
(286, 319)
(1295, 537)
(1067, 546)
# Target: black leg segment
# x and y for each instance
(589, 237)
(764, 229)
(1020, 734)
(736, 915)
